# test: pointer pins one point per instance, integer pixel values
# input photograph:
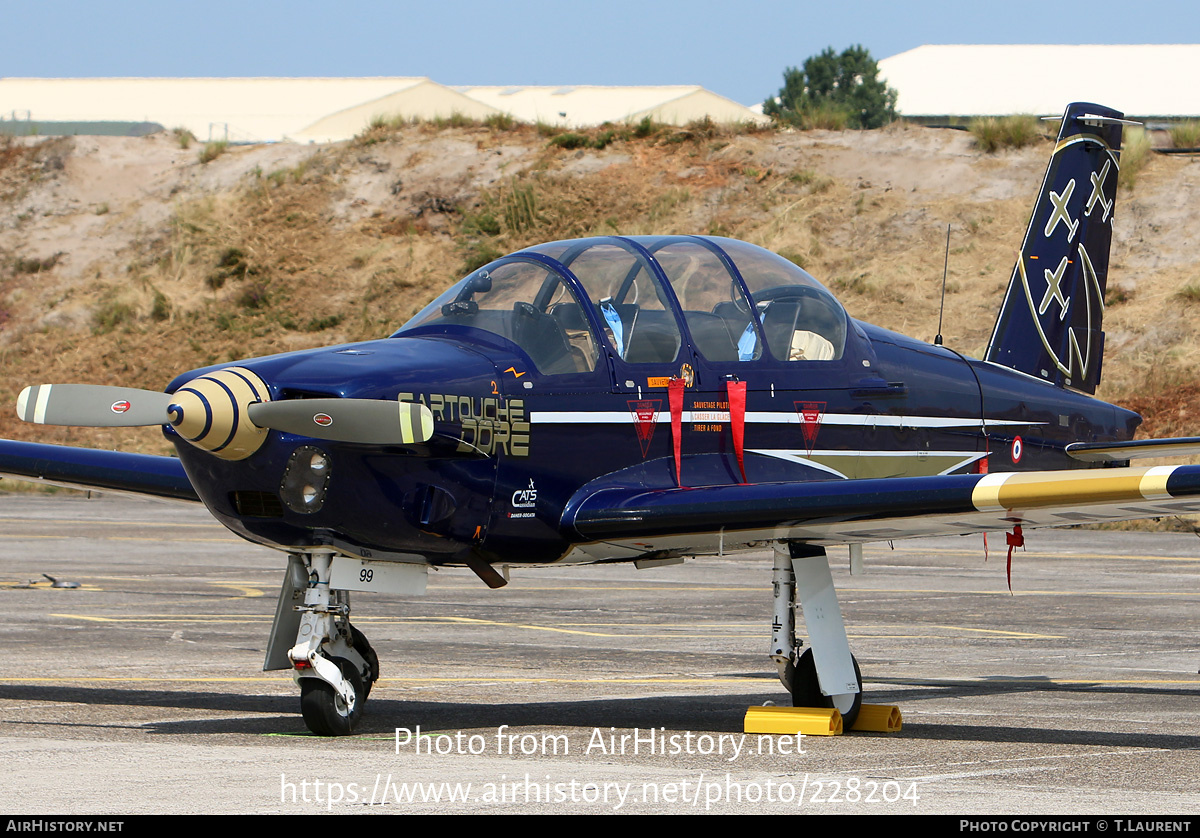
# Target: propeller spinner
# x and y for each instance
(227, 412)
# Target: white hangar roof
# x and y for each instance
(238, 109)
(332, 109)
(577, 106)
(1000, 79)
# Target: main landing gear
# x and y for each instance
(331, 660)
(825, 674)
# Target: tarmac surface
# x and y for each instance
(595, 689)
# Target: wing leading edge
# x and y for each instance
(848, 511)
(90, 468)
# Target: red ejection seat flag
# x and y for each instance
(737, 421)
(675, 396)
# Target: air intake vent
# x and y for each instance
(257, 504)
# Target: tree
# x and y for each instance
(834, 91)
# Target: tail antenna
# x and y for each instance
(937, 341)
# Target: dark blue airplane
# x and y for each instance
(643, 399)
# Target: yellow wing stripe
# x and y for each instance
(1154, 484)
(1014, 490)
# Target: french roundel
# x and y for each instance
(1017, 448)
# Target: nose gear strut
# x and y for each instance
(331, 661)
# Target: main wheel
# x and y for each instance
(806, 690)
(325, 712)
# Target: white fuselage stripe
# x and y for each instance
(848, 452)
(857, 420)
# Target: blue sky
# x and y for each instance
(737, 48)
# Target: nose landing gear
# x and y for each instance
(332, 661)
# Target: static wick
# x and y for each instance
(937, 341)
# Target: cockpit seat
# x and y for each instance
(542, 339)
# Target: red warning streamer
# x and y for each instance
(737, 421)
(675, 395)
(1016, 538)
(981, 467)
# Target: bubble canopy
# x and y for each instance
(643, 300)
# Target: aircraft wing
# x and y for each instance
(847, 511)
(90, 468)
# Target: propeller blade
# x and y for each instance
(92, 405)
(368, 421)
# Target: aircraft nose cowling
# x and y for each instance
(212, 412)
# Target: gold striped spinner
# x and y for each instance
(211, 412)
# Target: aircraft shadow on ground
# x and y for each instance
(278, 714)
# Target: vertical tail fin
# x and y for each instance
(1050, 323)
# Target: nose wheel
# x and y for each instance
(359, 642)
(331, 712)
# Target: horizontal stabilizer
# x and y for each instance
(1112, 452)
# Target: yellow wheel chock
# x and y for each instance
(811, 721)
(820, 721)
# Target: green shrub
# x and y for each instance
(1186, 134)
(520, 208)
(500, 122)
(476, 254)
(183, 136)
(1190, 292)
(703, 128)
(34, 266)
(212, 151)
(795, 257)
(994, 133)
(604, 138)
(254, 296)
(231, 264)
(111, 314)
(160, 309)
(834, 90)
(828, 116)
(320, 324)
(455, 120)
(484, 223)
(1117, 294)
(570, 140)
(647, 127)
(1135, 154)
